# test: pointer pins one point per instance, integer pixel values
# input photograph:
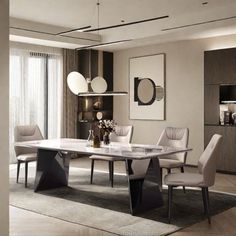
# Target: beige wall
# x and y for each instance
(4, 100)
(184, 89)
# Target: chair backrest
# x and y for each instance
(122, 134)
(208, 159)
(26, 133)
(175, 137)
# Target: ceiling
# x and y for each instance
(41, 22)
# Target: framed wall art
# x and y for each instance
(147, 87)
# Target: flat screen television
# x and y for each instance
(227, 94)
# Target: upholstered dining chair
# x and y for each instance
(122, 134)
(24, 154)
(174, 137)
(204, 179)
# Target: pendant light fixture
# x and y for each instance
(91, 87)
(79, 86)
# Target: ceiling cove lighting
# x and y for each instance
(127, 24)
(104, 44)
(79, 86)
(81, 29)
(88, 28)
(199, 23)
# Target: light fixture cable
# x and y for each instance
(98, 14)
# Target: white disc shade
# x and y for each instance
(99, 85)
(77, 83)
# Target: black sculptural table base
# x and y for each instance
(144, 182)
(52, 169)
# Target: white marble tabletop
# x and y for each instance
(116, 149)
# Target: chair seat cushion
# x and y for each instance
(27, 157)
(170, 163)
(184, 179)
(106, 158)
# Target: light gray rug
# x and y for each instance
(105, 208)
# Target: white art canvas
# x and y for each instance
(147, 87)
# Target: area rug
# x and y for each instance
(102, 207)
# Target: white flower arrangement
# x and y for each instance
(107, 125)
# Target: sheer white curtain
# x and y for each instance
(35, 92)
(55, 96)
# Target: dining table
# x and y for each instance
(141, 161)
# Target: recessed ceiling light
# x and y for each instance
(204, 3)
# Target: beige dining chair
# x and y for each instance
(122, 134)
(204, 179)
(174, 137)
(25, 154)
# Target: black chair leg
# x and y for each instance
(111, 172)
(207, 203)
(92, 168)
(161, 179)
(204, 201)
(170, 195)
(182, 171)
(208, 206)
(109, 167)
(18, 170)
(26, 173)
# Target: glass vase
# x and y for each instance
(90, 138)
(106, 138)
(96, 141)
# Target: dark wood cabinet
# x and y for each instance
(220, 66)
(211, 104)
(227, 160)
(219, 69)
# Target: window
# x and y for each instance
(35, 92)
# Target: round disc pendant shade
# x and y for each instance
(99, 85)
(77, 83)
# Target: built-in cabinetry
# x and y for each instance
(220, 66)
(227, 160)
(94, 63)
(219, 69)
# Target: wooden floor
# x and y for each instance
(26, 223)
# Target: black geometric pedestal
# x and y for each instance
(52, 170)
(144, 182)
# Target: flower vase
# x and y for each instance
(106, 138)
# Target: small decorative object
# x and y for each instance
(98, 103)
(234, 118)
(96, 142)
(90, 138)
(99, 115)
(107, 127)
(227, 117)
